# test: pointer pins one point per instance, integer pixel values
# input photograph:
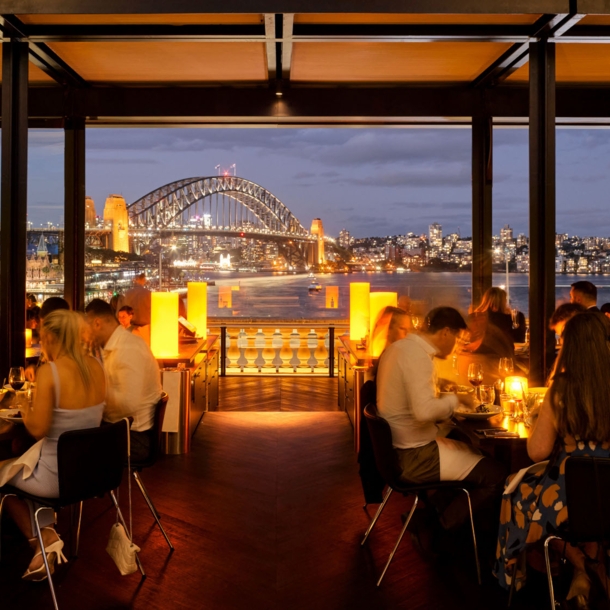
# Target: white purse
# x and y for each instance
(120, 544)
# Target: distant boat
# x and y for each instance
(315, 286)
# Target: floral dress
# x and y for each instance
(537, 508)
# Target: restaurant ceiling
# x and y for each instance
(482, 53)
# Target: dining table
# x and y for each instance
(510, 450)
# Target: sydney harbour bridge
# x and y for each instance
(201, 206)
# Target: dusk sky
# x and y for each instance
(373, 182)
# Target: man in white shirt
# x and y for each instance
(408, 398)
(133, 380)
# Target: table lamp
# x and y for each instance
(164, 324)
(359, 310)
(516, 386)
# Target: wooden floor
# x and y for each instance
(265, 513)
(275, 393)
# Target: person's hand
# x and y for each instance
(446, 385)
(466, 400)
(30, 373)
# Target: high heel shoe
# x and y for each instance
(580, 587)
(53, 552)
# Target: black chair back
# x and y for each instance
(588, 498)
(155, 435)
(381, 439)
(90, 462)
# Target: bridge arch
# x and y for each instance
(231, 202)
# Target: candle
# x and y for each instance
(516, 386)
(28, 337)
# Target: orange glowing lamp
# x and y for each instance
(359, 310)
(197, 314)
(332, 297)
(164, 325)
(516, 386)
(378, 302)
(28, 337)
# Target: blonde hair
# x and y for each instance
(67, 327)
(494, 299)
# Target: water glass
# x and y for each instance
(505, 403)
(517, 415)
(488, 394)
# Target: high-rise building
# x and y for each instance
(506, 234)
(344, 238)
(435, 235)
(90, 215)
(116, 219)
(318, 229)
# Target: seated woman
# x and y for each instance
(491, 326)
(69, 396)
(573, 421)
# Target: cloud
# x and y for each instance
(121, 161)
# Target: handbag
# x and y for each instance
(120, 544)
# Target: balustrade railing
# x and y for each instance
(263, 346)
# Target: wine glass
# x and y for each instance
(16, 377)
(514, 314)
(505, 366)
(415, 322)
(475, 377)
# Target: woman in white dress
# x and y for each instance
(70, 395)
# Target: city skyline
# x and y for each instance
(372, 182)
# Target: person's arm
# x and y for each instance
(542, 439)
(38, 419)
(418, 376)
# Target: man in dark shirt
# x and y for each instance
(138, 298)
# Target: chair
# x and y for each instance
(90, 464)
(155, 449)
(588, 503)
(386, 459)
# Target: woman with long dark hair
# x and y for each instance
(573, 421)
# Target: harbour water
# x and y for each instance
(260, 295)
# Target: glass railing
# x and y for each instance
(263, 346)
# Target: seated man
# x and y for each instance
(132, 373)
(584, 293)
(124, 315)
(407, 397)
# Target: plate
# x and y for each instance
(13, 415)
(493, 410)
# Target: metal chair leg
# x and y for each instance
(116, 504)
(80, 518)
(549, 576)
(474, 536)
(377, 515)
(402, 533)
(44, 556)
(2, 498)
(152, 508)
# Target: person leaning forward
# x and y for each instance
(133, 377)
(407, 398)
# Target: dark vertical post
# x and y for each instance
(14, 202)
(542, 207)
(331, 351)
(223, 351)
(74, 212)
(482, 181)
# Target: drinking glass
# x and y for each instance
(475, 377)
(505, 404)
(505, 366)
(16, 377)
(415, 322)
(514, 314)
(488, 394)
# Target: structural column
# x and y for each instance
(482, 181)
(542, 207)
(74, 240)
(14, 203)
